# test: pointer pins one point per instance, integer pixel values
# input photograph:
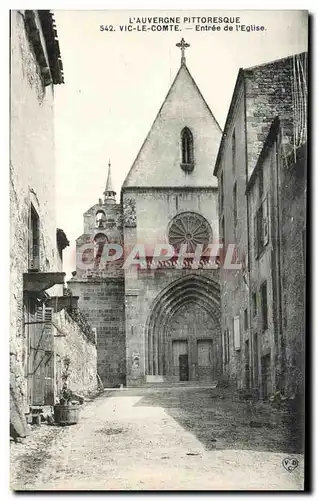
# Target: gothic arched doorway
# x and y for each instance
(183, 331)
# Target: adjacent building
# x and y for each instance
(261, 169)
(41, 332)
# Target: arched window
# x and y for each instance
(187, 150)
(100, 219)
(187, 146)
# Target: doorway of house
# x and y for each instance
(266, 375)
(256, 361)
(247, 365)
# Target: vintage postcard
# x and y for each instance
(158, 249)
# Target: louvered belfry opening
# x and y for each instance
(41, 356)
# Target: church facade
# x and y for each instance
(157, 318)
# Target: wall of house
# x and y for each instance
(32, 180)
(263, 268)
(284, 272)
(234, 297)
(269, 93)
(71, 341)
(293, 235)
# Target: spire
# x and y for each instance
(109, 193)
(109, 179)
(183, 45)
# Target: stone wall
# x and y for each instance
(154, 209)
(158, 161)
(102, 302)
(269, 93)
(142, 289)
(282, 265)
(263, 268)
(71, 341)
(293, 210)
(234, 296)
(100, 287)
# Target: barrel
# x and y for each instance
(66, 414)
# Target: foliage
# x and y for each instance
(66, 393)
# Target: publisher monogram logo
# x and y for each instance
(290, 464)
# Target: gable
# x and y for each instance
(158, 163)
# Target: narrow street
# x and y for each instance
(159, 439)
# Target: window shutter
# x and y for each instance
(39, 313)
(44, 314)
(48, 314)
(237, 336)
(228, 344)
(225, 347)
(265, 222)
(256, 234)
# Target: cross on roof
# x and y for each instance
(182, 45)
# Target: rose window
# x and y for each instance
(189, 229)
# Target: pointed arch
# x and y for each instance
(186, 146)
(193, 288)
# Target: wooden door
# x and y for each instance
(41, 359)
(256, 368)
(247, 365)
(205, 360)
(183, 367)
(179, 349)
(266, 375)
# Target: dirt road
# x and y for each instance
(156, 440)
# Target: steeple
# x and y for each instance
(109, 193)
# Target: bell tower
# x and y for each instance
(99, 283)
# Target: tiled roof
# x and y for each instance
(52, 45)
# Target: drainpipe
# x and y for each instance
(279, 281)
(252, 375)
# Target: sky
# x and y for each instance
(116, 81)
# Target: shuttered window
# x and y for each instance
(264, 305)
(44, 313)
(261, 227)
(237, 334)
(34, 240)
(41, 358)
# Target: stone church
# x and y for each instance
(158, 323)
